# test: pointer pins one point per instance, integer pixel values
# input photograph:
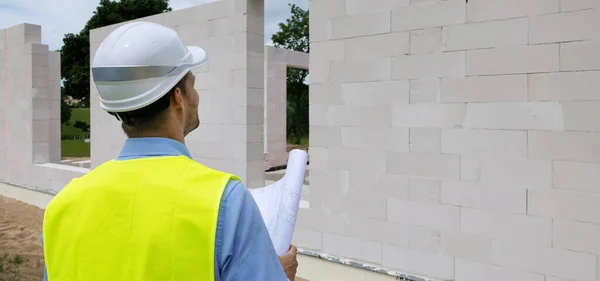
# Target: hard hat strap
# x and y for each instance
(126, 120)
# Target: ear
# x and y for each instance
(177, 98)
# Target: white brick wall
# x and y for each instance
(516, 116)
(425, 90)
(374, 93)
(485, 10)
(580, 116)
(516, 171)
(428, 115)
(491, 143)
(576, 176)
(581, 55)
(409, 260)
(424, 189)
(375, 116)
(566, 264)
(441, 166)
(505, 33)
(425, 140)
(468, 246)
(564, 86)
(563, 27)
(502, 88)
(425, 41)
(513, 60)
(429, 66)
(379, 46)
(459, 139)
(359, 71)
(360, 25)
(424, 239)
(420, 16)
(476, 195)
(576, 5)
(476, 271)
(577, 236)
(564, 204)
(507, 227)
(576, 146)
(360, 6)
(430, 215)
(390, 139)
(352, 248)
(328, 51)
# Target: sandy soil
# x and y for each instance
(21, 252)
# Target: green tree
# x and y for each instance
(293, 34)
(75, 53)
(65, 109)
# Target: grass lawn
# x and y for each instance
(75, 148)
(77, 114)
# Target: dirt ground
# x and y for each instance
(21, 252)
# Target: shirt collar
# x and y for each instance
(152, 147)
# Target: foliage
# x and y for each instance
(65, 110)
(82, 115)
(18, 259)
(75, 53)
(83, 126)
(294, 35)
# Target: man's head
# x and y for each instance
(173, 115)
(143, 75)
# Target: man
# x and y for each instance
(154, 213)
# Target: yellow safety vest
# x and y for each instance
(136, 220)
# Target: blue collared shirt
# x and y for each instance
(243, 248)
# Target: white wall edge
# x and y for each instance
(28, 195)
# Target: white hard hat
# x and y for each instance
(140, 62)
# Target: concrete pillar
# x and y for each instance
(55, 101)
(29, 103)
(275, 113)
(18, 99)
(277, 61)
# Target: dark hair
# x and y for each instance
(148, 117)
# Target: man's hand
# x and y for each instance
(290, 263)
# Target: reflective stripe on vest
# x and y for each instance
(136, 220)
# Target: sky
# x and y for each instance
(59, 17)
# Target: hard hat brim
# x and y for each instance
(199, 55)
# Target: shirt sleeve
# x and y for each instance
(247, 252)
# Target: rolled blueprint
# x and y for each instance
(279, 202)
